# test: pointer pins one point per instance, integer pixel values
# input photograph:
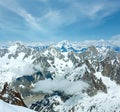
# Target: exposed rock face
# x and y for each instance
(3, 52)
(71, 56)
(111, 67)
(86, 72)
(74, 65)
(25, 84)
(90, 53)
(11, 96)
(49, 102)
(95, 84)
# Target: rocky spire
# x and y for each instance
(11, 96)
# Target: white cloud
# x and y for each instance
(116, 37)
(51, 20)
(74, 11)
(55, 19)
(16, 8)
(30, 19)
(85, 13)
(49, 86)
(115, 40)
(96, 9)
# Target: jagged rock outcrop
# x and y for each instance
(111, 67)
(25, 84)
(71, 56)
(86, 72)
(83, 63)
(49, 102)
(11, 96)
(3, 52)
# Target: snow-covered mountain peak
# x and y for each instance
(63, 43)
(14, 47)
(63, 66)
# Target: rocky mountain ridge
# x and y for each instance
(23, 66)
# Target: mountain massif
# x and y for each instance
(62, 77)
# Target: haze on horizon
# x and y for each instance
(56, 20)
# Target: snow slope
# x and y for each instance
(13, 68)
(66, 62)
(5, 107)
(15, 63)
(101, 102)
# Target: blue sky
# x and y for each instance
(56, 20)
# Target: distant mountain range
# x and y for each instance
(72, 76)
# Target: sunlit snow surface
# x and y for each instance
(13, 68)
(101, 102)
(81, 102)
(5, 107)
